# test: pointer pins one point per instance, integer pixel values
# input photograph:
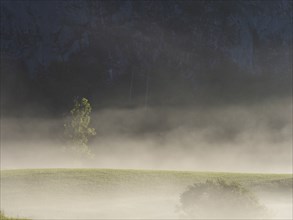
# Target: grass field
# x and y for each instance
(44, 193)
(4, 217)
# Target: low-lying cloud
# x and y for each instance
(255, 138)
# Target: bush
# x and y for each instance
(221, 200)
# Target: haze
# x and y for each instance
(256, 138)
(173, 85)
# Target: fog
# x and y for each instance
(152, 207)
(231, 138)
(174, 85)
(74, 199)
(240, 138)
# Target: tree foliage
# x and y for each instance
(77, 128)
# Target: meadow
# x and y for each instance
(115, 193)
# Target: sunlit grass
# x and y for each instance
(81, 185)
(3, 217)
(142, 180)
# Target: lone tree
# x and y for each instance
(77, 129)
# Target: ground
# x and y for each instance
(110, 193)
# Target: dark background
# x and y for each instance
(131, 54)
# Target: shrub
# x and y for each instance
(221, 200)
